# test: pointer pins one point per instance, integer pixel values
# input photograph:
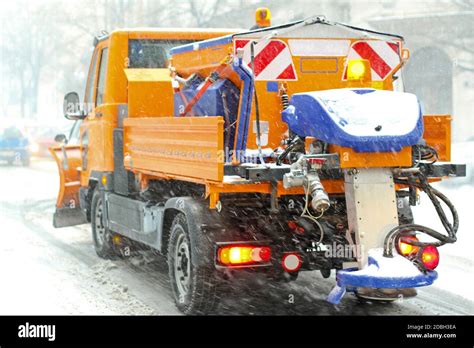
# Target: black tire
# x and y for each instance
(195, 288)
(101, 236)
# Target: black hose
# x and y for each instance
(454, 212)
(433, 194)
(295, 141)
(425, 153)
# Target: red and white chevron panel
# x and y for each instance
(272, 59)
(383, 56)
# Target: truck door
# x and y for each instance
(70, 158)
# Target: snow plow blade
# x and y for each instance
(68, 217)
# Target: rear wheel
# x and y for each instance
(101, 235)
(195, 287)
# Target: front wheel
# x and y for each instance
(101, 235)
(195, 287)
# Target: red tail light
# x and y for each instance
(429, 257)
(233, 255)
(405, 248)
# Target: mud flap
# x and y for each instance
(64, 217)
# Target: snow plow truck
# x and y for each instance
(264, 152)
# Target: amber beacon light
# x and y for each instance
(263, 17)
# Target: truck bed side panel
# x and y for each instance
(188, 147)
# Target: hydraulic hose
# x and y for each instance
(425, 153)
(296, 140)
(433, 194)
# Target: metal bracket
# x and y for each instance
(371, 207)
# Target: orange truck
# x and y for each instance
(266, 152)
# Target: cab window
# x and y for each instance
(102, 74)
(89, 96)
(151, 54)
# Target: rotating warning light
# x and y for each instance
(263, 17)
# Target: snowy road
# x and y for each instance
(56, 271)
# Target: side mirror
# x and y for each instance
(60, 138)
(72, 107)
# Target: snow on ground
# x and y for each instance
(41, 274)
(56, 271)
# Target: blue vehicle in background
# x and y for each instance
(14, 146)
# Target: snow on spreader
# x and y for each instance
(271, 151)
(381, 273)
